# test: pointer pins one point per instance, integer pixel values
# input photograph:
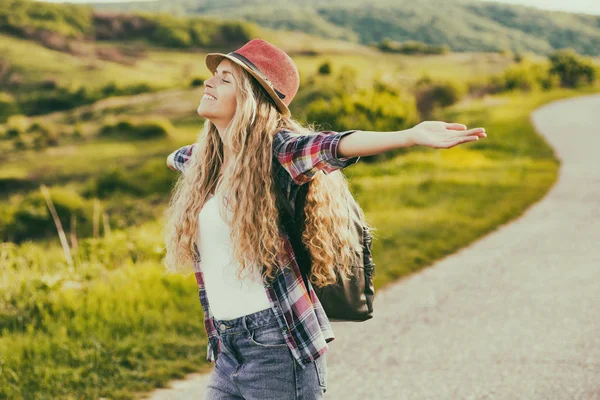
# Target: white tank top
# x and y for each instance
(228, 296)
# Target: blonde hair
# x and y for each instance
(250, 192)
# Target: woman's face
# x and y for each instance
(223, 86)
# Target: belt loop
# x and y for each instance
(245, 325)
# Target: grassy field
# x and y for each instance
(116, 325)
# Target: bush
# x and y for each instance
(155, 177)
(411, 47)
(19, 144)
(148, 129)
(39, 102)
(325, 68)
(31, 218)
(8, 106)
(197, 82)
(46, 130)
(45, 139)
(112, 181)
(151, 178)
(573, 71)
(19, 123)
(12, 185)
(431, 95)
(526, 76)
(16, 127)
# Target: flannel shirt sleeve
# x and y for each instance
(303, 155)
(182, 155)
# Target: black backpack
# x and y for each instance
(349, 300)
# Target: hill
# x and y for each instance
(462, 25)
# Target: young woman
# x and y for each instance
(267, 332)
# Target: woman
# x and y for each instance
(267, 331)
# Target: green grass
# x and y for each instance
(117, 325)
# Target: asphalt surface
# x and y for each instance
(515, 315)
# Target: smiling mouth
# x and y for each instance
(209, 97)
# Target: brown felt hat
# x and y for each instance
(271, 66)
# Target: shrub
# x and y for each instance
(573, 71)
(19, 122)
(31, 218)
(155, 177)
(325, 68)
(45, 134)
(11, 185)
(58, 99)
(19, 144)
(16, 126)
(8, 106)
(150, 178)
(77, 130)
(197, 82)
(109, 89)
(437, 94)
(48, 83)
(171, 33)
(147, 129)
(525, 76)
(411, 47)
(114, 180)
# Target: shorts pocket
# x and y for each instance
(321, 367)
(268, 336)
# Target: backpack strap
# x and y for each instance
(294, 226)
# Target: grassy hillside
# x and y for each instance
(462, 25)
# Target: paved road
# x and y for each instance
(516, 315)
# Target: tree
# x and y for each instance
(573, 70)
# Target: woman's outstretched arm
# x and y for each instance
(436, 134)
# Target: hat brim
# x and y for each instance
(213, 60)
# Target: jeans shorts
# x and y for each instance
(255, 363)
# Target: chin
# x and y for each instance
(201, 112)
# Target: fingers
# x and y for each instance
(455, 126)
(461, 127)
(475, 131)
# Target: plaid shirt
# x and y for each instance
(301, 317)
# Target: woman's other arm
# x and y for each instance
(177, 159)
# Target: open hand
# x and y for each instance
(443, 135)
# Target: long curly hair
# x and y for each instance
(250, 196)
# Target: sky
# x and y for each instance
(576, 6)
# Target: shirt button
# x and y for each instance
(223, 326)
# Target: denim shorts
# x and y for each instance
(255, 363)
